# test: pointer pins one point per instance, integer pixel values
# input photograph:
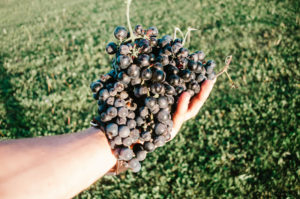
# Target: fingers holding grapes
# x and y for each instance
(188, 108)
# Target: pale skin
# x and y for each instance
(62, 166)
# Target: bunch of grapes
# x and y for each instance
(137, 98)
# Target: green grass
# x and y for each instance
(244, 143)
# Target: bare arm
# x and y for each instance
(53, 167)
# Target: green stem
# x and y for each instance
(132, 37)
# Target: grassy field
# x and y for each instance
(244, 143)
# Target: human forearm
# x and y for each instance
(64, 164)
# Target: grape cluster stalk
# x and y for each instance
(137, 98)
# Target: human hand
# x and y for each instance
(188, 109)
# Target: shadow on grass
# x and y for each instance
(13, 123)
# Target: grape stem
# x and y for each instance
(225, 69)
(132, 37)
(187, 34)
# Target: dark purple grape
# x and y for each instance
(127, 141)
(209, 66)
(111, 48)
(163, 102)
(194, 57)
(149, 146)
(155, 109)
(122, 112)
(136, 81)
(146, 74)
(139, 30)
(183, 53)
(110, 100)
(103, 94)
(104, 117)
(139, 121)
(123, 95)
(162, 116)
(133, 71)
(159, 141)
(152, 31)
(146, 136)
(160, 128)
(119, 102)
(170, 90)
(120, 33)
(144, 60)
(123, 78)
(192, 65)
(131, 124)
(141, 155)
(126, 154)
(96, 86)
(201, 55)
(170, 99)
(172, 70)
(124, 131)
(200, 78)
(123, 61)
(112, 129)
(167, 50)
(153, 41)
(135, 165)
(157, 88)
(150, 102)
(113, 92)
(186, 75)
(211, 76)
(163, 59)
(174, 80)
(158, 76)
(112, 112)
(121, 120)
(131, 115)
(119, 86)
(135, 134)
(118, 140)
(140, 90)
(176, 47)
(124, 50)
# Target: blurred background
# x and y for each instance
(243, 143)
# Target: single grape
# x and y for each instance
(170, 99)
(119, 86)
(135, 165)
(155, 109)
(113, 92)
(123, 61)
(194, 57)
(143, 60)
(152, 31)
(112, 112)
(123, 95)
(209, 66)
(127, 141)
(119, 102)
(122, 112)
(121, 120)
(160, 128)
(146, 74)
(174, 80)
(112, 129)
(200, 78)
(124, 131)
(96, 86)
(135, 134)
(139, 30)
(153, 41)
(131, 124)
(159, 141)
(120, 33)
(170, 90)
(110, 100)
(118, 140)
(149, 146)
(146, 135)
(104, 117)
(157, 88)
(162, 116)
(158, 76)
(183, 52)
(103, 94)
(163, 102)
(133, 71)
(150, 102)
(139, 121)
(141, 155)
(124, 50)
(201, 55)
(123, 78)
(167, 50)
(186, 75)
(111, 48)
(163, 59)
(192, 65)
(126, 154)
(176, 47)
